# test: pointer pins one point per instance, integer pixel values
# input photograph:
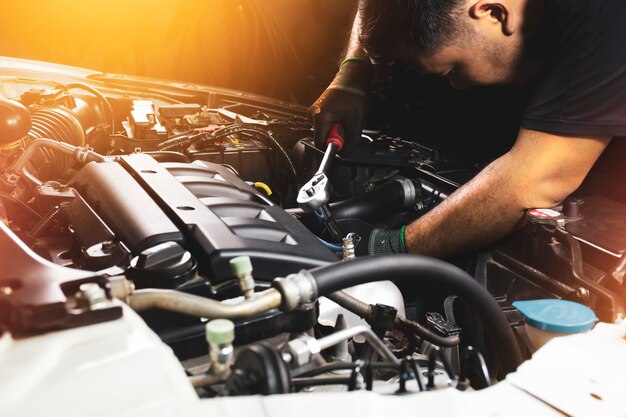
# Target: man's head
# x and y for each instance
(471, 42)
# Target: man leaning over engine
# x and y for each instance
(576, 47)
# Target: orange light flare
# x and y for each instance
(261, 46)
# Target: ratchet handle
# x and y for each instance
(336, 135)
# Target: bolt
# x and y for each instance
(91, 296)
(582, 293)
(108, 246)
(287, 358)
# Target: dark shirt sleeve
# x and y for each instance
(583, 88)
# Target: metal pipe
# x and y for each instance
(30, 177)
(83, 155)
(197, 306)
(204, 380)
(343, 335)
(40, 143)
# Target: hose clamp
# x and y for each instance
(410, 194)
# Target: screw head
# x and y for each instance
(582, 293)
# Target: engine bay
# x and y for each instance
(182, 201)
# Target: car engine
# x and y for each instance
(182, 202)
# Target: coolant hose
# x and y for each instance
(382, 201)
(424, 270)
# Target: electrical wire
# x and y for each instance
(45, 222)
(21, 204)
(207, 137)
(335, 248)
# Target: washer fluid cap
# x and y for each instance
(557, 316)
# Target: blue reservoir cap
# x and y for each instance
(558, 316)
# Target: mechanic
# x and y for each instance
(575, 48)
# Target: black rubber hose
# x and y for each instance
(425, 270)
(20, 203)
(382, 201)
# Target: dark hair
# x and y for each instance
(417, 25)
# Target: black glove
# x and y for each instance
(343, 102)
(386, 241)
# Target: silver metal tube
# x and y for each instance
(327, 160)
(203, 380)
(30, 177)
(41, 143)
(62, 147)
(343, 335)
(197, 306)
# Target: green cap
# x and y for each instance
(220, 331)
(240, 265)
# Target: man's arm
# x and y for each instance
(345, 101)
(539, 171)
(354, 47)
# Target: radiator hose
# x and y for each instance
(425, 270)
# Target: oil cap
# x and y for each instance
(557, 316)
(545, 216)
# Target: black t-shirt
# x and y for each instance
(582, 91)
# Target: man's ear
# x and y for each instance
(495, 12)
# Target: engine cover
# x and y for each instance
(209, 210)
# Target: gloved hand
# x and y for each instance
(343, 102)
(386, 241)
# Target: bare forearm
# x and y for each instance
(355, 73)
(354, 47)
(540, 171)
(484, 210)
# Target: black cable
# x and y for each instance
(180, 141)
(366, 311)
(264, 133)
(309, 377)
(44, 223)
(472, 357)
(310, 382)
(21, 204)
(352, 384)
(408, 366)
(330, 367)
(424, 270)
(432, 362)
(610, 300)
